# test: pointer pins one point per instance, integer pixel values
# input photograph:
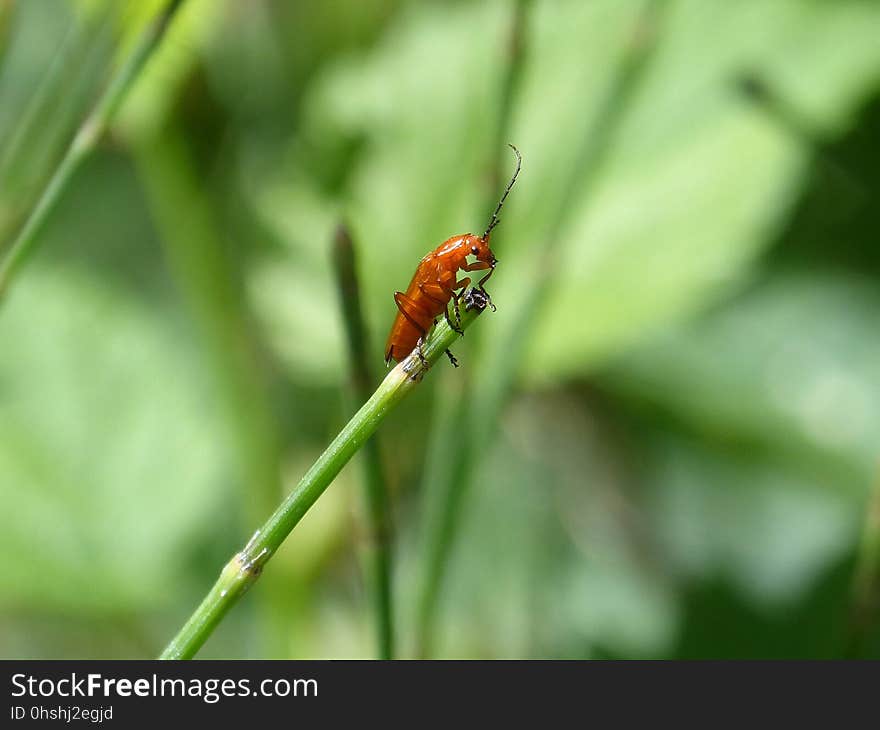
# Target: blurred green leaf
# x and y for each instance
(108, 452)
(765, 528)
(789, 367)
(781, 386)
(698, 180)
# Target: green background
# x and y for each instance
(682, 462)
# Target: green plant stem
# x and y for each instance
(480, 414)
(379, 552)
(866, 579)
(41, 97)
(55, 108)
(246, 566)
(84, 142)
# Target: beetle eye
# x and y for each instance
(474, 250)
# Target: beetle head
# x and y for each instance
(479, 247)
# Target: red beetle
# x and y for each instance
(434, 285)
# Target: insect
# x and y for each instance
(434, 286)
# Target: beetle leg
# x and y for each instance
(410, 309)
(475, 299)
(481, 283)
(482, 288)
(440, 294)
(455, 326)
(413, 313)
(452, 358)
(456, 299)
(435, 292)
(482, 266)
(421, 352)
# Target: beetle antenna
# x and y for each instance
(494, 221)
